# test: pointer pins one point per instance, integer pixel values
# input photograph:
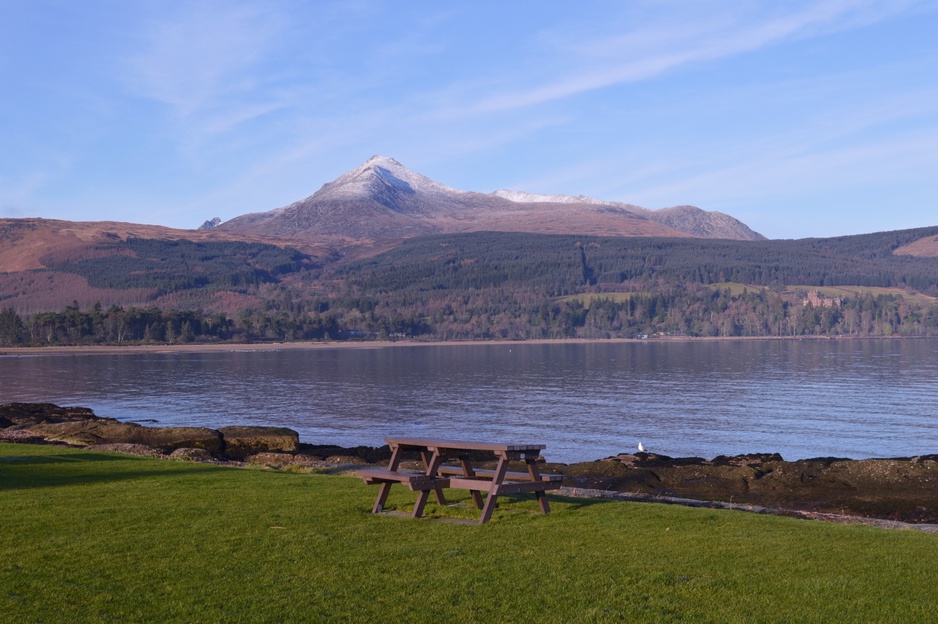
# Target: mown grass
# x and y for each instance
(95, 537)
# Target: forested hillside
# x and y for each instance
(167, 266)
(507, 286)
(567, 264)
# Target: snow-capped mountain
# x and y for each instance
(383, 200)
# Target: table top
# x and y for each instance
(431, 443)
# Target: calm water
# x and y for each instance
(585, 401)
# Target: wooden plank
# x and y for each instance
(466, 483)
(509, 476)
(412, 479)
(389, 475)
(464, 445)
(520, 487)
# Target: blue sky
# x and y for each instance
(801, 119)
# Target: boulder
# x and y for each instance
(172, 438)
(368, 454)
(191, 454)
(241, 442)
(110, 431)
(25, 414)
(129, 449)
(273, 460)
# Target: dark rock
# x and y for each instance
(191, 454)
(20, 436)
(368, 454)
(274, 460)
(108, 431)
(897, 489)
(343, 459)
(25, 414)
(209, 225)
(240, 442)
(753, 459)
(307, 461)
(129, 449)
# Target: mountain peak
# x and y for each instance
(383, 199)
(382, 161)
(384, 179)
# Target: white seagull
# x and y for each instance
(641, 449)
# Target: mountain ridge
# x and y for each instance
(382, 199)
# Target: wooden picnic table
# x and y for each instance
(436, 475)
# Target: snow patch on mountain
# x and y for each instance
(520, 197)
(381, 172)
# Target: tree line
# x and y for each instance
(509, 313)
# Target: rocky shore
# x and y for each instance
(899, 490)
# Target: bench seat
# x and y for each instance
(413, 479)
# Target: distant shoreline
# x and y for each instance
(310, 345)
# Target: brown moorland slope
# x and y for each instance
(926, 247)
(24, 242)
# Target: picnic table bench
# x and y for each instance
(437, 476)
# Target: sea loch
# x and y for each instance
(812, 398)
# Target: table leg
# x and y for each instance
(427, 460)
(386, 487)
(382, 497)
(542, 501)
(497, 480)
(469, 472)
(432, 467)
(535, 474)
(422, 497)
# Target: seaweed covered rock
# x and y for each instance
(242, 442)
(901, 489)
(109, 431)
(24, 414)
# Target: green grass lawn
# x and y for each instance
(97, 537)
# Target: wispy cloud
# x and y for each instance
(669, 37)
(203, 59)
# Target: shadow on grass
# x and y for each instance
(21, 460)
(461, 510)
(571, 502)
(21, 472)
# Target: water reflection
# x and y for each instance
(585, 401)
